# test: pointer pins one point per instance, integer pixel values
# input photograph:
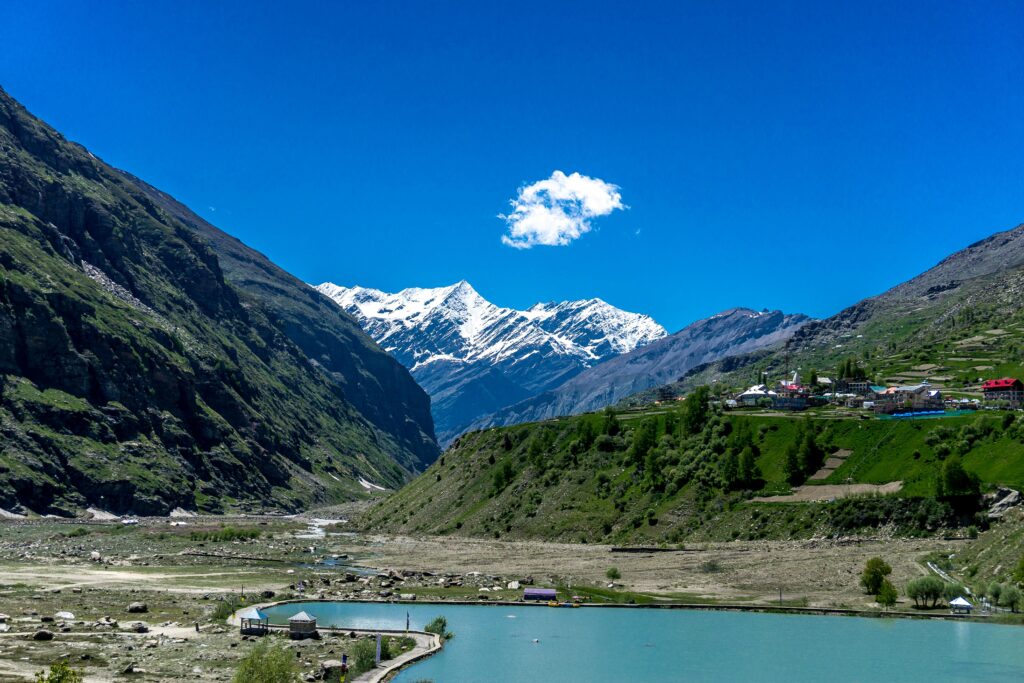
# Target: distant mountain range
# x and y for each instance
(956, 323)
(473, 357)
(485, 365)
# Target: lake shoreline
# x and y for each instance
(696, 607)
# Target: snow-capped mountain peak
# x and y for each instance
(456, 322)
(449, 335)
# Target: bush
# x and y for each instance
(613, 574)
(886, 594)
(226, 607)
(268, 662)
(60, 673)
(225, 534)
(364, 656)
(439, 626)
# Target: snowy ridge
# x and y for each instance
(474, 357)
(455, 324)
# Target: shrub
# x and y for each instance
(439, 626)
(613, 573)
(225, 534)
(886, 594)
(268, 662)
(60, 673)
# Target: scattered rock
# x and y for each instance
(137, 608)
(43, 634)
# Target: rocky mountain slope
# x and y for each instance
(149, 361)
(474, 357)
(954, 323)
(730, 333)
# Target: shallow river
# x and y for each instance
(495, 644)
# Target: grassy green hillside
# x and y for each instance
(646, 476)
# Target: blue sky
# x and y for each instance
(786, 155)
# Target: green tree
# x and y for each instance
(268, 662)
(611, 425)
(952, 591)
(696, 410)
(502, 476)
(60, 672)
(1018, 572)
(886, 594)
(925, 591)
(730, 469)
(750, 473)
(955, 481)
(995, 591)
(586, 434)
(1012, 598)
(613, 574)
(875, 571)
(644, 438)
(791, 467)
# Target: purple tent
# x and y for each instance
(539, 594)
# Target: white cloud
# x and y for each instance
(558, 210)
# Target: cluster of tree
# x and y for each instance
(946, 440)
(926, 591)
(805, 456)
(850, 369)
(1004, 595)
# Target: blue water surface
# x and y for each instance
(495, 644)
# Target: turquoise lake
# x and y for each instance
(494, 644)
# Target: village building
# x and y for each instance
(754, 394)
(1008, 390)
(859, 386)
(915, 398)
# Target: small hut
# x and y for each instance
(960, 606)
(254, 622)
(302, 626)
(539, 594)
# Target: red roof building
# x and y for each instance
(1007, 389)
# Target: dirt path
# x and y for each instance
(826, 492)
